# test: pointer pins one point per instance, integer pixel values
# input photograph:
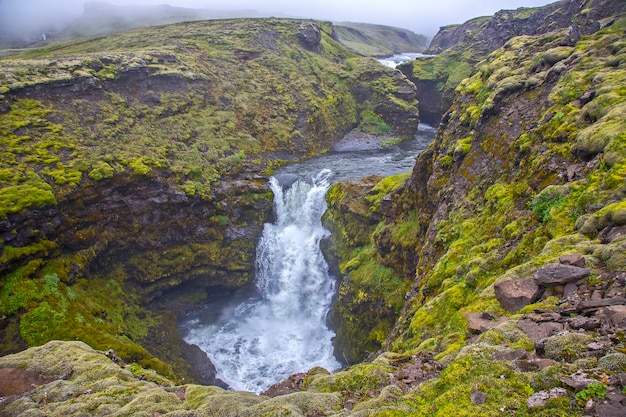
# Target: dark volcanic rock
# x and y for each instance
(202, 366)
(310, 37)
(553, 274)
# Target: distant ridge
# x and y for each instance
(102, 18)
(378, 40)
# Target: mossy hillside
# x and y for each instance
(221, 94)
(492, 199)
(85, 381)
(507, 218)
(446, 70)
(133, 161)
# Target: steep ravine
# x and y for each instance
(496, 267)
(134, 175)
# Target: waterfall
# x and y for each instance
(283, 330)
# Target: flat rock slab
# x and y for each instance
(575, 259)
(481, 322)
(539, 331)
(555, 274)
(15, 381)
(611, 410)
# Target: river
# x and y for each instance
(259, 336)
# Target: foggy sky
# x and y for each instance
(424, 17)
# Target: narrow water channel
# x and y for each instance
(260, 336)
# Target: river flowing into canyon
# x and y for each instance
(259, 336)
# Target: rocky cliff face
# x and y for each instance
(460, 47)
(486, 34)
(515, 190)
(134, 175)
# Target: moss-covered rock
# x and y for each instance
(370, 294)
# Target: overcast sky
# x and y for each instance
(420, 16)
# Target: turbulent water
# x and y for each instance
(258, 337)
(395, 60)
(282, 330)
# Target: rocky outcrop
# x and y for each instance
(486, 34)
(310, 37)
(361, 312)
(460, 47)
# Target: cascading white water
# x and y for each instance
(283, 331)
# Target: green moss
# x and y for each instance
(509, 335)
(566, 347)
(101, 170)
(554, 55)
(38, 249)
(18, 291)
(362, 378)
(448, 69)
(372, 123)
(383, 188)
(33, 193)
(545, 201)
(449, 394)
(463, 146)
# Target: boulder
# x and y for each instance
(554, 274)
(478, 397)
(481, 322)
(617, 315)
(585, 323)
(575, 259)
(515, 294)
(570, 289)
(539, 399)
